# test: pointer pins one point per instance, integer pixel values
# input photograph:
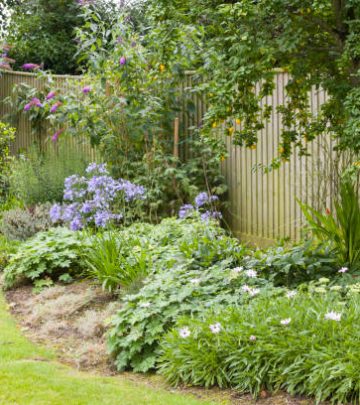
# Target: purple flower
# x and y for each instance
(132, 191)
(55, 213)
(98, 168)
(27, 107)
(86, 89)
(122, 61)
(50, 95)
(87, 207)
(55, 106)
(30, 66)
(70, 212)
(56, 135)
(102, 218)
(203, 198)
(185, 210)
(76, 224)
(211, 214)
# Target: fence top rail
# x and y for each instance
(31, 74)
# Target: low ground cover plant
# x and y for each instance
(304, 343)
(48, 254)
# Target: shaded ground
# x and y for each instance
(73, 320)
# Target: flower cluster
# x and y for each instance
(204, 204)
(95, 198)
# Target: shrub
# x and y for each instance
(7, 135)
(50, 253)
(117, 259)
(39, 177)
(97, 199)
(307, 344)
(343, 231)
(21, 224)
(191, 270)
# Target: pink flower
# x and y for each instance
(51, 95)
(122, 61)
(55, 137)
(55, 106)
(27, 107)
(86, 89)
(36, 101)
(30, 66)
(343, 270)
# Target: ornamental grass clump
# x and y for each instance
(306, 344)
(97, 199)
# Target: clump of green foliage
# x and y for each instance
(343, 230)
(117, 259)
(38, 177)
(295, 264)
(48, 254)
(7, 136)
(43, 32)
(20, 224)
(306, 344)
(192, 269)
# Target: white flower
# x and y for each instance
(291, 294)
(343, 270)
(333, 316)
(254, 291)
(184, 332)
(246, 288)
(252, 338)
(251, 273)
(216, 327)
(145, 304)
(285, 321)
(195, 281)
(238, 269)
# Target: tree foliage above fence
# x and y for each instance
(316, 41)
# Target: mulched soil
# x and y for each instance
(72, 319)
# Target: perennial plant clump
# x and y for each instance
(192, 269)
(97, 199)
(307, 345)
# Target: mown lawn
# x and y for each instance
(30, 375)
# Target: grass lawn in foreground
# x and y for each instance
(30, 375)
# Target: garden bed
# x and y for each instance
(72, 320)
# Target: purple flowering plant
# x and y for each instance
(205, 205)
(97, 200)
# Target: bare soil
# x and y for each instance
(72, 319)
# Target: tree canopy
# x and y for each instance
(316, 41)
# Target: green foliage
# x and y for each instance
(291, 266)
(20, 224)
(278, 343)
(341, 231)
(7, 136)
(117, 259)
(192, 264)
(6, 249)
(43, 32)
(242, 42)
(39, 177)
(48, 254)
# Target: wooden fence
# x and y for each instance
(262, 207)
